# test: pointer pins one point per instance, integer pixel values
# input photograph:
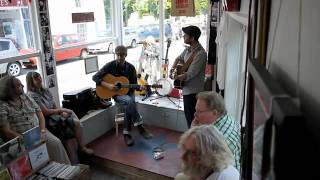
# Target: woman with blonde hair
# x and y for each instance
(45, 100)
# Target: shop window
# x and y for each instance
(82, 31)
(78, 3)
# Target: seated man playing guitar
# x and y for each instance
(120, 67)
(193, 63)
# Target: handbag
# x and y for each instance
(61, 127)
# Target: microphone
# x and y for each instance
(168, 42)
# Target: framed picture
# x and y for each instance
(91, 64)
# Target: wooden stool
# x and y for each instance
(119, 117)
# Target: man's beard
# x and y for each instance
(20, 93)
(195, 169)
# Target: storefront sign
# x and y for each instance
(82, 17)
(182, 8)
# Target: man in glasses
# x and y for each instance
(206, 155)
(120, 67)
(210, 110)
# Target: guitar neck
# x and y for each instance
(129, 86)
(137, 85)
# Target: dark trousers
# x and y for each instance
(189, 103)
(131, 113)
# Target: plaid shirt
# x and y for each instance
(231, 131)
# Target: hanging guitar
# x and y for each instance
(122, 84)
(164, 73)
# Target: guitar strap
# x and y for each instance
(186, 65)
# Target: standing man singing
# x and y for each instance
(120, 67)
(195, 57)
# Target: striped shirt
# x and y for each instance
(231, 131)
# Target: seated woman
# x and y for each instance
(45, 100)
(19, 113)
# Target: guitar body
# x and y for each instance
(105, 93)
(141, 82)
(181, 67)
(178, 84)
(179, 70)
(122, 83)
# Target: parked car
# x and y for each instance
(130, 37)
(105, 47)
(69, 40)
(58, 42)
(153, 30)
(31, 62)
(8, 48)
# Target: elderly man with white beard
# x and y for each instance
(206, 155)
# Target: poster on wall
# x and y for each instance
(49, 67)
(46, 39)
(51, 81)
(43, 5)
(182, 8)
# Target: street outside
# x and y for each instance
(71, 73)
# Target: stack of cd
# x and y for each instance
(55, 170)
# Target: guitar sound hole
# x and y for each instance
(118, 85)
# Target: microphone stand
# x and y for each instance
(162, 96)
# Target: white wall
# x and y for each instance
(61, 17)
(60, 20)
(244, 8)
(293, 55)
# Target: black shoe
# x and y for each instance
(144, 132)
(128, 139)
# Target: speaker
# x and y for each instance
(80, 101)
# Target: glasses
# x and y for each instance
(121, 54)
(200, 112)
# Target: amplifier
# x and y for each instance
(80, 101)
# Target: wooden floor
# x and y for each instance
(136, 162)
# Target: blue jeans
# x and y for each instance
(132, 114)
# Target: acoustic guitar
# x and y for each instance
(177, 71)
(121, 82)
(181, 68)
